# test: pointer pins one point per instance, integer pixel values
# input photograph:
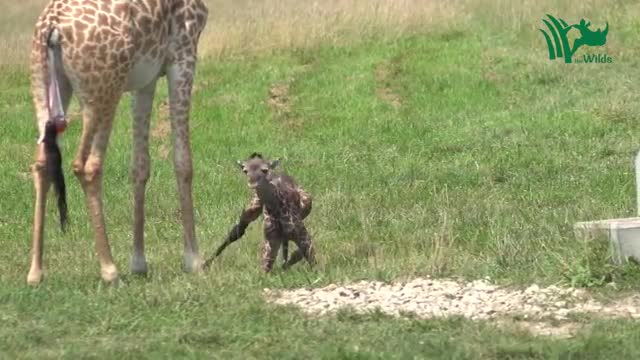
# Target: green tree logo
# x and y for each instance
(559, 28)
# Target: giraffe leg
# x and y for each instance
(270, 248)
(285, 251)
(295, 257)
(42, 185)
(88, 169)
(180, 79)
(140, 167)
(305, 249)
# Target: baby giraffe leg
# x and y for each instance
(305, 249)
(285, 250)
(270, 248)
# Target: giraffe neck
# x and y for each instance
(268, 194)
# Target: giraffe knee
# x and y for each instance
(39, 175)
(267, 266)
(38, 167)
(266, 252)
(78, 168)
(267, 263)
(269, 252)
(307, 248)
(91, 172)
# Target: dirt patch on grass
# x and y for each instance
(279, 99)
(384, 73)
(540, 311)
(162, 129)
(280, 102)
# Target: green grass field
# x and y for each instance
(461, 151)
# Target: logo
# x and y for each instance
(559, 47)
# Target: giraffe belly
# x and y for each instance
(143, 72)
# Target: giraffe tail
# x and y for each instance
(55, 125)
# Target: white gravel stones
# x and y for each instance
(476, 300)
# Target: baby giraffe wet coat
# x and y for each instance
(284, 205)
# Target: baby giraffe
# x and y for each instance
(284, 205)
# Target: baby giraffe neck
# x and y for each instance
(267, 193)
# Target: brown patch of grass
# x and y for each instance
(164, 150)
(383, 74)
(249, 26)
(279, 99)
(163, 125)
(162, 130)
(256, 26)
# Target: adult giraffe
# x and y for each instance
(100, 49)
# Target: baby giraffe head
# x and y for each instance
(259, 170)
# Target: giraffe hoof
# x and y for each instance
(139, 265)
(193, 263)
(109, 274)
(35, 277)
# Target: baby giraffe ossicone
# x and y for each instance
(284, 205)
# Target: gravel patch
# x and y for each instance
(534, 308)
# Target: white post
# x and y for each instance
(638, 182)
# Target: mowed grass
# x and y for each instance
(462, 153)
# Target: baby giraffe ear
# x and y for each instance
(274, 163)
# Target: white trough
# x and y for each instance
(623, 235)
